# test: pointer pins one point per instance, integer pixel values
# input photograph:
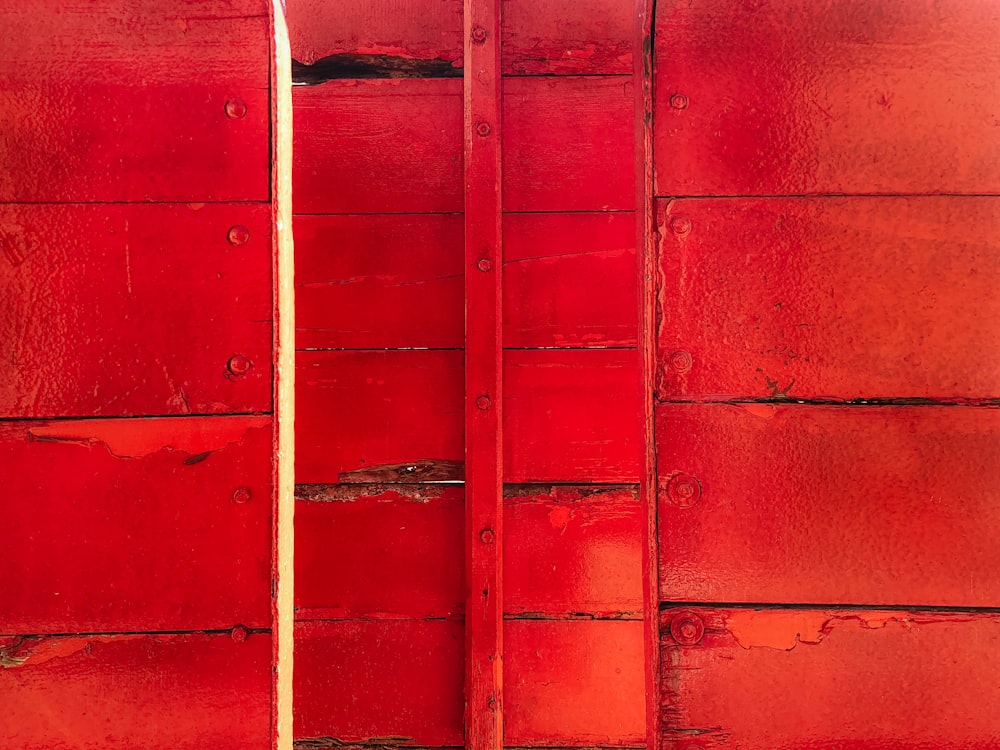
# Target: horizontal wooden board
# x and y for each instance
(131, 525)
(845, 298)
(372, 282)
(156, 692)
(570, 280)
(829, 504)
(382, 146)
(573, 683)
(804, 97)
(368, 551)
(574, 37)
(568, 144)
(363, 410)
(159, 293)
(571, 415)
(405, 29)
(572, 550)
(134, 109)
(390, 681)
(831, 679)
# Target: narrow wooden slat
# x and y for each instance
(161, 692)
(364, 551)
(77, 127)
(571, 415)
(386, 682)
(559, 132)
(379, 281)
(830, 678)
(567, 36)
(846, 298)
(158, 297)
(827, 504)
(572, 550)
(378, 147)
(574, 683)
(569, 280)
(484, 385)
(96, 511)
(777, 98)
(363, 410)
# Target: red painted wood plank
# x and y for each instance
(163, 296)
(395, 679)
(574, 683)
(799, 97)
(568, 144)
(361, 410)
(569, 280)
(384, 146)
(98, 511)
(571, 415)
(827, 504)
(484, 391)
(830, 678)
(571, 550)
(157, 692)
(372, 282)
(408, 29)
(844, 298)
(80, 128)
(573, 37)
(365, 551)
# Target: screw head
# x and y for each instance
(479, 35)
(242, 495)
(483, 402)
(483, 129)
(681, 361)
(683, 490)
(486, 536)
(238, 235)
(679, 101)
(484, 265)
(680, 225)
(236, 109)
(687, 628)
(238, 365)
(239, 634)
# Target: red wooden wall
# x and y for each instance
(138, 241)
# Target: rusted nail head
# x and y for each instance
(238, 365)
(236, 109)
(483, 129)
(486, 535)
(484, 265)
(687, 628)
(479, 35)
(681, 361)
(680, 225)
(483, 402)
(242, 495)
(683, 490)
(240, 634)
(679, 101)
(238, 235)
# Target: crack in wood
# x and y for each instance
(348, 66)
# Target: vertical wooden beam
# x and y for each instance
(282, 275)
(483, 379)
(646, 249)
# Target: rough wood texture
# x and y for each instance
(803, 97)
(135, 309)
(833, 298)
(839, 505)
(829, 678)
